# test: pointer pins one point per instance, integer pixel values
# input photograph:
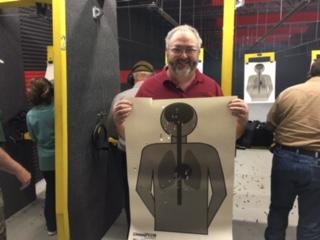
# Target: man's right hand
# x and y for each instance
(24, 177)
(120, 112)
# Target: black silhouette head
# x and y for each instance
(259, 68)
(178, 119)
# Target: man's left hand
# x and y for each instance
(240, 110)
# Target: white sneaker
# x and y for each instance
(52, 233)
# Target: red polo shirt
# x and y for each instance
(160, 87)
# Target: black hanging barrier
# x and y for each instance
(94, 200)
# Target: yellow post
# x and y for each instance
(49, 54)
(227, 46)
(315, 55)
(61, 116)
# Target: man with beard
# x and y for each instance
(181, 79)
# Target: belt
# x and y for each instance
(301, 151)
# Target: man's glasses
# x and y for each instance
(180, 51)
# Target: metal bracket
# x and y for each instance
(96, 12)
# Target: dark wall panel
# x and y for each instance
(14, 198)
(13, 101)
(12, 97)
(93, 80)
(36, 35)
(141, 37)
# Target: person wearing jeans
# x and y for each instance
(294, 174)
(295, 119)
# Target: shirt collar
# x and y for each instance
(138, 84)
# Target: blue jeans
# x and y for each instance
(294, 175)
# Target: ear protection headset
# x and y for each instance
(130, 79)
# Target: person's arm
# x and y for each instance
(9, 165)
(120, 113)
(239, 109)
(111, 127)
(273, 116)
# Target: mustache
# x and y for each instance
(185, 61)
(188, 62)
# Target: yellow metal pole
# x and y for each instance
(228, 46)
(315, 55)
(61, 116)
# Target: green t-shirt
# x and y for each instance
(2, 137)
(40, 123)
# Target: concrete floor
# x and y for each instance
(28, 223)
(251, 201)
(241, 230)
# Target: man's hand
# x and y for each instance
(240, 110)
(120, 112)
(9, 165)
(24, 177)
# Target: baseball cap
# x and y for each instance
(142, 66)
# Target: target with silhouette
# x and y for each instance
(174, 178)
(259, 85)
(259, 81)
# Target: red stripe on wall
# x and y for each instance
(29, 75)
(124, 76)
(263, 19)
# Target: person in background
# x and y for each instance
(181, 79)
(9, 165)
(295, 119)
(40, 123)
(141, 71)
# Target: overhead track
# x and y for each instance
(154, 6)
(299, 7)
(21, 3)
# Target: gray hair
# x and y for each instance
(183, 28)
